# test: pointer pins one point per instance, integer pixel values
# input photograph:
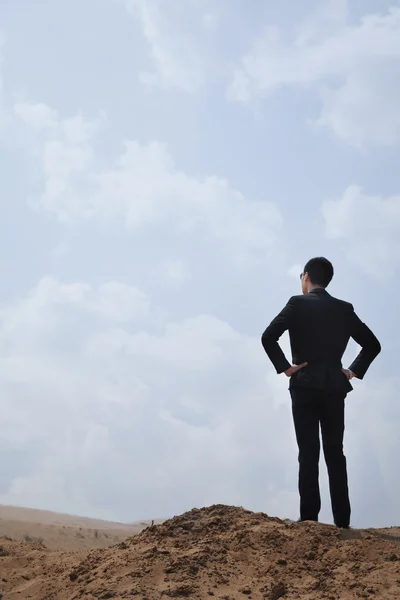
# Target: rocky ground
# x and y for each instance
(219, 552)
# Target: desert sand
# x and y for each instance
(64, 532)
(219, 552)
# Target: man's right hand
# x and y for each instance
(294, 368)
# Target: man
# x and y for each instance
(320, 327)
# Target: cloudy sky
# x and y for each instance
(166, 170)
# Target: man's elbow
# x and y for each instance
(377, 347)
(266, 340)
(374, 348)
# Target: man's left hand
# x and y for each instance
(349, 374)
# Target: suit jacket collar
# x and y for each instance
(318, 291)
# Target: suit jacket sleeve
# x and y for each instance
(370, 346)
(271, 335)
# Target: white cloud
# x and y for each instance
(178, 40)
(122, 302)
(64, 151)
(329, 17)
(40, 310)
(364, 109)
(175, 272)
(199, 344)
(120, 416)
(144, 187)
(372, 441)
(210, 20)
(38, 116)
(368, 228)
(2, 116)
(350, 67)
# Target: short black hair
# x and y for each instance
(320, 271)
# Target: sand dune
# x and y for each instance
(64, 532)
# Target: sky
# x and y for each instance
(167, 168)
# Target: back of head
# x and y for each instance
(320, 271)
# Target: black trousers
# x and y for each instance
(311, 410)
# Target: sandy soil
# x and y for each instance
(220, 552)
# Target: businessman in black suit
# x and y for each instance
(320, 327)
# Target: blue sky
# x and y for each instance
(167, 169)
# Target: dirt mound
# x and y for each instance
(218, 552)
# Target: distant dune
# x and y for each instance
(64, 532)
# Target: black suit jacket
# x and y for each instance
(320, 327)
